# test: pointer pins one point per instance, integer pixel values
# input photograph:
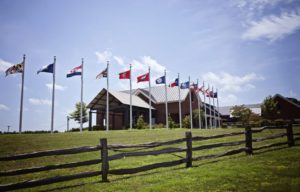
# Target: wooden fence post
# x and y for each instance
(104, 157)
(290, 135)
(248, 140)
(189, 151)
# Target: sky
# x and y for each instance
(247, 49)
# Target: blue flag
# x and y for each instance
(161, 80)
(185, 85)
(46, 68)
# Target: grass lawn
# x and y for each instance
(274, 169)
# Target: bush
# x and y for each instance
(171, 122)
(157, 126)
(280, 122)
(186, 122)
(140, 122)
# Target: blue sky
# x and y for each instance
(248, 49)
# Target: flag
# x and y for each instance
(75, 71)
(18, 68)
(207, 92)
(161, 80)
(201, 89)
(103, 74)
(210, 94)
(215, 95)
(194, 86)
(185, 85)
(124, 75)
(46, 68)
(175, 83)
(142, 78)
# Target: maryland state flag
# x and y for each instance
(103, 74)
(124, 75)
(142, 78)
(18, 68)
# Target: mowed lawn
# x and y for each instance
(273, 169)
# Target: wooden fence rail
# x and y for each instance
(104, 159)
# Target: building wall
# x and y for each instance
(173, 109)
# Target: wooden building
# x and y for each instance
(119, 106)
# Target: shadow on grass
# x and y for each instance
(69, 187)
(151, 172)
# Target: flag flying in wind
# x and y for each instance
(161, 80)
(185, 85)
(103, 74)
(201, 89)
(142, 78)
(124, 75)
(46, 68)
(76, 71)
(215, 95)
(207, 92)
(194, 86)
(174, 84)
(18, 68)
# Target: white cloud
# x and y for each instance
(119, 60)
(3, 107)
(228, 100)
(35, 101)
(57, 87)
(274, 27)
(4, 65)
(104, 56)
(227, 82)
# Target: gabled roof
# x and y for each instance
(158, 93)
(100, 100)
(289, 100)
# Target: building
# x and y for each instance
(287, 109)
(119, 106)
(226, 112)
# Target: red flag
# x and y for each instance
(207, 93)
(201, 89)
(124, 75)
(142, 78)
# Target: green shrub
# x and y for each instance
(280, 122)
(171, 122)
(140, 122)
(157, 126)
(186, 122)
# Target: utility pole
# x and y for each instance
(8, 126)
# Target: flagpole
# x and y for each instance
(107, 98)
(53, 95)
(166, 101)
(22, 90)
(219, 119)
(130, 100)
(215, 122)
(150, 113)
(81, 97)
(204, 107)
(210, 120)
(199, 107)
(179, 103)
(190, 95)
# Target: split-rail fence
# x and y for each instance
(104, 147)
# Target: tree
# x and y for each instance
(269, 108)
(76, 114)
(242, 113)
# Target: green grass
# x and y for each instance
(275, 169)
